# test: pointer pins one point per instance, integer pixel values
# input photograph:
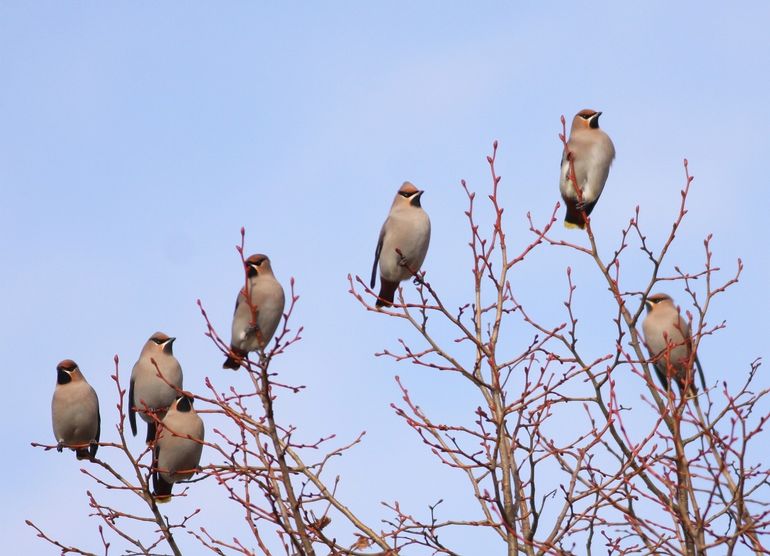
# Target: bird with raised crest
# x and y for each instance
(669, 340)
(403, 243)
(590, 152)
(258, 310)
(178, 449)
(148, 392)
(75, 412)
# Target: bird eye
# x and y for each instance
(404, 194)
(259, 262)
(157, 341)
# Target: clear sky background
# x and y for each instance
(137, 138)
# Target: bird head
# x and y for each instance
(586, 119)
(257, 264)
(656, 300)
(161, 342)
(184, 404)
(67, 371)
(408, 195)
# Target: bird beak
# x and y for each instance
(170, 340)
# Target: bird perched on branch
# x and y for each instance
(258, 310)
(148, 391)
(178, 449)
(406, 229)
(75, 412)
(591, 152)
(669, 341)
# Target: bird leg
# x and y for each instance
(403, 261)
(254, 330)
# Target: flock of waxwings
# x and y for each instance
(401, 250)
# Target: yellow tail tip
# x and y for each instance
(573, 226)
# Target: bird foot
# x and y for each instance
(581, 206)
(253, 330)
(59, 446)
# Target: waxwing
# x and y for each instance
(75, 412)
(148, 391)
(591, 151)
(407, 228)
(258, 310)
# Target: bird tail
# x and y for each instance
(234, 359)
(387, 293)
(161, 488)
(151, 431)
(700, 372)
(573, 219)
(661, 376)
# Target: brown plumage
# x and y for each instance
(147, 391)
(669, 341)
(179, 447)
(265, 303)
(406, 229)
(75, 412)
(592, 153)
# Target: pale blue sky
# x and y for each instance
(137, 138)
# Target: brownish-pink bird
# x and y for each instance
(591, 151)
(407, 228)
(669, 341)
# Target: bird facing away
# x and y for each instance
(407, 228)
(147, 390)
(75, 412)
(258, 311)
(178, 449)
(669, 340)
(592, 153)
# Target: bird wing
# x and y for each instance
(660, 370)
(700, 372)
(377, 252)
(95, 445)
(688, 340)
(131, 412)
(155, 459)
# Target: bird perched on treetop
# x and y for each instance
(256, 317)
(407, 228)
(75, 412)
(669, 341)
(147, 391)
(178, 450)
(591, 151)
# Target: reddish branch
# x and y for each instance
(681, 482)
